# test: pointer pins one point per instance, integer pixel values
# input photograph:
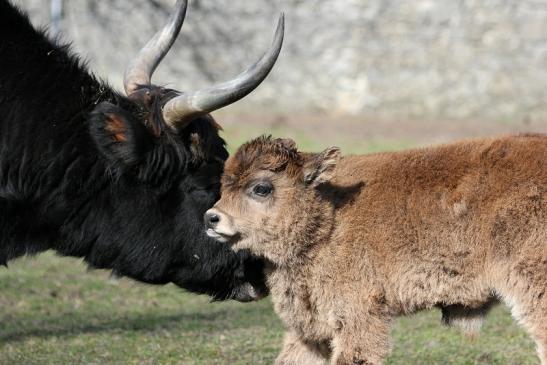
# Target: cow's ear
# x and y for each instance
(119, 136)
(319, 168)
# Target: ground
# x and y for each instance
(54, 311)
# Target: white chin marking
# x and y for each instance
(211, 233)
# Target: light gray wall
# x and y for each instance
(390, 58)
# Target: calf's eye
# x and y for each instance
(262, 189)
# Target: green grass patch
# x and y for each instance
(236, 136)
(56, 312)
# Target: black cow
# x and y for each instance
(122, 181)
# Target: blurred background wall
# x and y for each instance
(455, 59)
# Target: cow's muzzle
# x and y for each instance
(249, 293)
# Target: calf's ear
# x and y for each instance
(320, 168)
(118, 135)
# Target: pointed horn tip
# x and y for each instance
(279, 34)
(281, 21)
(181, 5)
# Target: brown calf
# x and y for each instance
(355, 241)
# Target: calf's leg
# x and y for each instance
(531, 312)
(524, 289)
(298, 352)
(362, 341)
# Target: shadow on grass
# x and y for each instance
(19, 329)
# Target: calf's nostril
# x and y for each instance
(213, 218)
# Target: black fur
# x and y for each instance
(90, 173)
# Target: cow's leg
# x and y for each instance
(298, 352)
(362, 341)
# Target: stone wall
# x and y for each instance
(386, 58)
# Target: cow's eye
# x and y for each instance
(262, 189)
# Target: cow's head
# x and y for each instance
(271, 199)
(164, 158)
(165, 125)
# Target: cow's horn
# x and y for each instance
(140, 69)
(178, 111)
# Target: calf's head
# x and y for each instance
(271, 200)
(164, 158)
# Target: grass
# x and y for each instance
(53, 311)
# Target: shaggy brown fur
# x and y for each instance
(355, 241)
